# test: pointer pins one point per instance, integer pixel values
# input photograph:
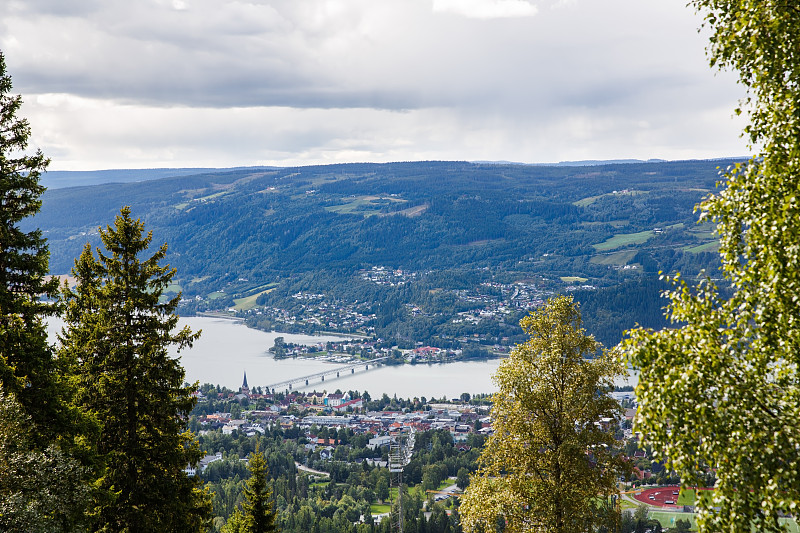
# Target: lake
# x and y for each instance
(227, 348)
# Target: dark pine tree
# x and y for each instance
(118, 330)
(27, 365)
(259, 515)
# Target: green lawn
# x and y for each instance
(443, 485)
(363, 205)
(623, 239)
(626, 505)
(616, 258)
(587, 201)
(573, 279)
(377, 508)
(592, 199)
(249, 302)
(707, 247)
(173, 287)
(668, 518)
(689, 496)
(183, 205)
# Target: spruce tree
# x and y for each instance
(117, 333)
(27, 366)
(259, 516)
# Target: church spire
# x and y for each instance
(245, 388)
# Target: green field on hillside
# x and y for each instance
(623, 239)
(706, 247)
(616, 258)
(363, 205)
(249, 302)
(584, 202)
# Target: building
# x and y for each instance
(245, 389)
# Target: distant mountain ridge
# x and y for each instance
(59, 179)
(580, 163)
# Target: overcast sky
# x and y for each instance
(213, 83)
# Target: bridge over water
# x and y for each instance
(330, 374)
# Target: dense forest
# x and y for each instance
(451, 228)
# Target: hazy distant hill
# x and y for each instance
(59, 179)
(314, 228)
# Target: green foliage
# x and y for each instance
(259, 516)
(27, 366)
(723, 391)
(235, 524)
(42, 486)
(548, 459)
(40, 491)
(116, 336)
(639, 521)
(474, 223)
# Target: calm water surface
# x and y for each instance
(226, 349)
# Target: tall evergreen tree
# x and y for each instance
(27, 365)
(117, 334)
(259, 516)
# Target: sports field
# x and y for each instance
(666, 504)
(660, 496)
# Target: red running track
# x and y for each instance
(661, 496)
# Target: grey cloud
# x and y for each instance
(308, 54)
(268, 81)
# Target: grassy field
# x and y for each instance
(249, 302)
(626, 505)
(616, 258)
(623, 239)
(668, 519)
(589, 200)
(707, 247)
(689, 496)
(573, 279)
(363, 205)
(184, 205)
(378, 508)
(173, 287)
(410, 212)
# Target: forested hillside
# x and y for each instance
(408, 246)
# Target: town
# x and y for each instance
(342, 443)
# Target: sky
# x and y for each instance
(219, 83)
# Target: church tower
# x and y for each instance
(245, 388)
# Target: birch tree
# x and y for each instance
(721, 390)
(550, 458)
